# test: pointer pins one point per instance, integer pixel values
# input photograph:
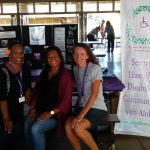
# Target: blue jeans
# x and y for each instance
(35, 132)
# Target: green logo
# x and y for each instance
(141, 9)
(134, 38)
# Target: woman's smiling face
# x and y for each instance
(53, 59)
(80, 56)
(17, 54)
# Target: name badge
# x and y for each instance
(21, 99)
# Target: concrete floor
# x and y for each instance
(122, 142)
(128, 142)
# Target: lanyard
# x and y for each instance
(20, 83)
(81, 83)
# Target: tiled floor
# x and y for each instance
(128, 142)
(122, 142)
(112, 61)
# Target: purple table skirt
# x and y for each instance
(112, 83)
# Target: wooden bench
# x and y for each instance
(111, 118)
(104, 135)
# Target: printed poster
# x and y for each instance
(59, 37)
(37, 35)
(134, 103)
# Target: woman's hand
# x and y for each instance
(90, 102)
(44, 115)
(8, 124)
(77, 120)
(32, 113)
(27, 96)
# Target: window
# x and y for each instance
(42, 7)
(57, 7)
(90, 6)
(26, 7)
(73, 6)
(105, 6)
(117, 5)
(50, 19)
(9, 8)
(94, 19)
(5, 20)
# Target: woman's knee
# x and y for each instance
(68, 123)
(82, 126)
(35, 129)
(78, 129)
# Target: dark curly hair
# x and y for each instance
(11, 44)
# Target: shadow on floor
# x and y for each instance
(59, 143)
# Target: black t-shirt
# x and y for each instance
(47, 92)
(14, 107)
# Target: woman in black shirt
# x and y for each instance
(52, 100)
(14, 90)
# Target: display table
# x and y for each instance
(112, 83)
(99, 53)
(93, 42)
(112, 87)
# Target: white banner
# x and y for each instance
(134, 103)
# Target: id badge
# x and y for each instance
(21, 99)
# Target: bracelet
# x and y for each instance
(52, 112)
